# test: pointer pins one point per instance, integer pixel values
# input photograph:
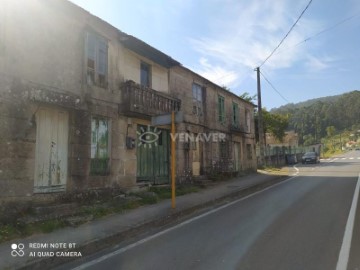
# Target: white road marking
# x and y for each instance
(358, 158)
(344, 158)
(297, 171)
(336, 158)
(346, 244)
(149, 238)
(351, 158)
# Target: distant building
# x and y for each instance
(289, 144)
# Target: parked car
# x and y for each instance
(310, 157)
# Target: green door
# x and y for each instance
(152, 152)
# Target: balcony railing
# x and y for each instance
(237, 128)
(145, 102)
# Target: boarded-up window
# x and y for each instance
(96, 60)
(99, 146)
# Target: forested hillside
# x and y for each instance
(310, 119)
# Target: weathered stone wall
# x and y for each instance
(42, 63)
(181, 81)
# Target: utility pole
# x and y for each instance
(260, 120)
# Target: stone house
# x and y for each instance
(76, 100)
(290, 143)
(211, 109)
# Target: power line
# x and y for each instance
(292, 27)
(321, 32)
(273, 87)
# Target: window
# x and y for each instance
(145, 75)
(247, 119)
(221, 109)
(99, 146)
(96, 60)
(197, 99)
(235, 118)
(249, 151)
(223, 150)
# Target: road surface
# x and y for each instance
(307, 222)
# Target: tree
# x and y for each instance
(309, 139)
(246, 96)
(275, 124)
(330, 131)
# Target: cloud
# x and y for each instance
(316, 64)
(217, 74)
(248, 32)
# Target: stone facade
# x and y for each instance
(51, 93)
(203, 117)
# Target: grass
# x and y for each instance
(8, 232)
(165, 192)
(97, 210)
(331, 153)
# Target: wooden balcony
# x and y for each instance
(143, 102)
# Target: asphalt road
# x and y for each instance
(298, 224)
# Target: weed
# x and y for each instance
(51, 225)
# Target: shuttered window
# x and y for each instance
(221, 109)
(235, 118)
(248, 121)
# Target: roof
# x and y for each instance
(140, 47)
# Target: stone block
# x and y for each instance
(130, 167)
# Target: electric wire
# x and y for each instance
(320, 33)
(273, 87)
(287, 34)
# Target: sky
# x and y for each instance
(225, 40)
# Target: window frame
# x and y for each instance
(100, 57)
(149, 74)
(236, 114)
(249, 152)
(221, 109)
(223, 149)
(100, 165)
(248, 120)
(197, 97)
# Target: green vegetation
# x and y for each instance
(321, 118)
(165, 192)
(246, 96)
(96, 207)
(276, 124)
(335, 142)
(12, 231)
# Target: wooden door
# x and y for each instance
(237, 156)
(152, 154)
(51, 158)
(196, 157)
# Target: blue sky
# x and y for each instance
(224, 40)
